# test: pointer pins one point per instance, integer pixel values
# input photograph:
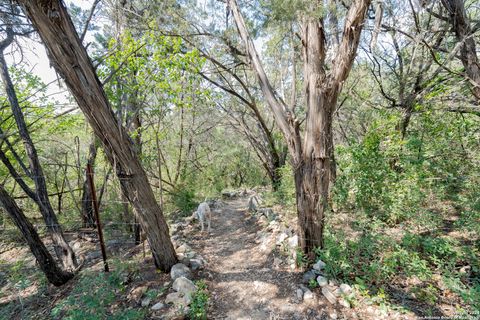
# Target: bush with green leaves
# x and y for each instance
(372, 259)
(199, 304)
(183, 198)
(285, 193)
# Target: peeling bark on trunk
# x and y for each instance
(55, 275)
(62, 249)
(468, 51)
(313, 160)
(71, 61)
(134, 124)
(88, 216)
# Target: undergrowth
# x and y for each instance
(96, 296)
(199, 305)
(402, 214)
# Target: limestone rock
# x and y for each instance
(322, 281)
(309, 275)
(345, 288)
(184, 286)
(280, 238)
(183, 248)
(327, 293)
(337, 292)
(137, 293)
(190, 255)
(253, 203)
(308, 296)
(344, 303)
(178, 299)
(180, 270)
(157, 306)
(299, 294)
(293, 242)
(277, 262)
(146, 302)
(332, 283)
(319, 265)
(196, 264)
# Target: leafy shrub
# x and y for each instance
(285, 193)
(301, 258)
(184, 199)
(470, 294)
(469, 201)
(199, 305)
(370, 260)
(312, 283)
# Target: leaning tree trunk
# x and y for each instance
(55, 275)
(88, 217)
(135, 126)
(62, 249)
(71, 61)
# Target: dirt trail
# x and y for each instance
(242, 280)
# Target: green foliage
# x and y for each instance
(374, 260)
(372, 181)
(312, 283)
(428, 294)
(17, 276)
(469, 293)
(371, 259)
(441, 252)
(301, 259)
(199, 305)
(469, 202)
(159, 63)
(94, 295)
(285, 193)
(184, 199)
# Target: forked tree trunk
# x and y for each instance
(55, 275)
(313, 160)
(71, 61)
(62, 249)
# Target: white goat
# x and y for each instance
(203, 212)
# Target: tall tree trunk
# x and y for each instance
(88, 216)
(313, 161)
(313, 178)
(135, 126)
(71, 60)
(468, 51)
(55, 275)
(313, 174)
(62, 249)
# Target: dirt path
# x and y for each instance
(241, 276)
